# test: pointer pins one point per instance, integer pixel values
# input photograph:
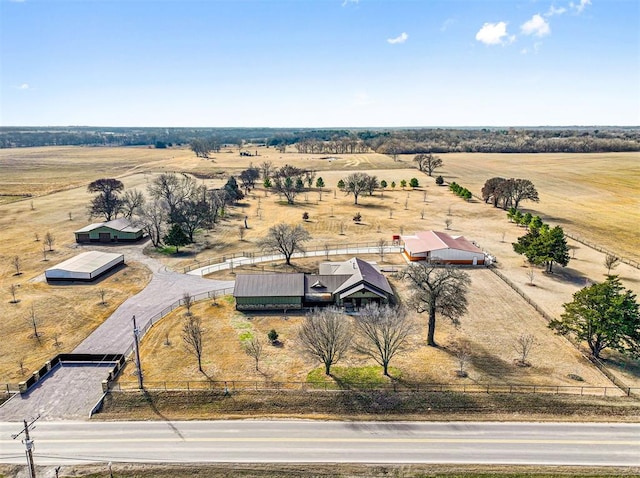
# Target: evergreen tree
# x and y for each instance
(176, 237)
(603, 315)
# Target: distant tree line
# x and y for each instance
(342, 141)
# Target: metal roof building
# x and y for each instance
(118, 230)
(86, 266)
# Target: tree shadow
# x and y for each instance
(149, 399)
(490, 365)
(567, 275)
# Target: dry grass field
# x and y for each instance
(599, 181)
(496, 317)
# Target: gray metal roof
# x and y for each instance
(320, 283)
(361, 271)
(269, 285)
(86, 261)
(121, 224)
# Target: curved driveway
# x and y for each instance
(166, 287)
(71, 392)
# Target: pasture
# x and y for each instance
(57, 178)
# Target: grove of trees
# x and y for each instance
(508, 193)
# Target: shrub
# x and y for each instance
(272, 336)
(439, 180)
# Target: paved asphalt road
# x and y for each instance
(58, 443)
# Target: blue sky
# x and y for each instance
(319, 63)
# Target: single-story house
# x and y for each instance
(350, 284)
(86, 266)
(436, 246)
(118, 230)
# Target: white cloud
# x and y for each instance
(399, 39)
(349, 2)
(535, 50)
(494, 34)
(537, 26)
(446, 24)
(555, 11)
(579, 7)
(24, 86)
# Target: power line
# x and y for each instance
(28, 444)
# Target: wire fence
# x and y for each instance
(253, 257)
(521, 294)
(231, 386)
(598, 248)
(595, 361)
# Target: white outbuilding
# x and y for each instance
(86, 266)
(441, 247)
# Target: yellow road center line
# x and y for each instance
(341, 440)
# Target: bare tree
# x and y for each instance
(611, 262)
(153, 217)
(17, 263)
(44, 253)
(422, 213)
(254, 349)
(522, 346)
(49, 240)
(187, 301)
(381, 248)
(70, 216)
(107, 202)
(288, 181)
(241, 232)
(132, 201)
(382, 332)
(265, 168)
(21, 365)
(327, 249)
(192, 336)
(174, 190)
(531, 274)
(33, 321)
(13, 288)
(461, 350)
(326, 335)
(428, 162)
(356, 184)
(285, 239)
(103, 294)
(447, 222)
(36, 236)
(437, 289)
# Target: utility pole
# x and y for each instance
(28, 444)
(136, 340)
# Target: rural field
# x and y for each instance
(590, 195)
